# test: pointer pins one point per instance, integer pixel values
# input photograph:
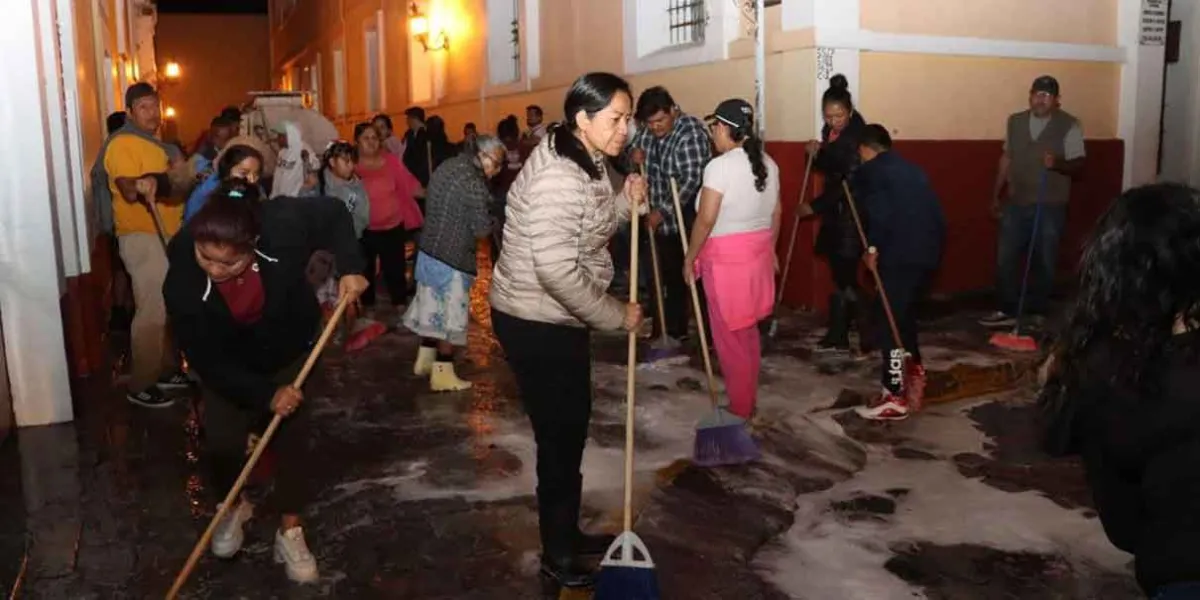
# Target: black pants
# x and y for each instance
(553, 368)
(677, 298)
(905, 286)
(226, 427)
(387, 247)
(843, 304)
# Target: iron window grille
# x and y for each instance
(686, 20)
(515, 39)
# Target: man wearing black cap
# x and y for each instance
(1043, 150)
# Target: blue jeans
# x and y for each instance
(1016, 230)
(1178, 591)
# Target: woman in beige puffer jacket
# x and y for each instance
(549, 288)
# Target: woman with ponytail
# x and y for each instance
(548, 291)
(836, 157)
(241, 310)
(732, 247)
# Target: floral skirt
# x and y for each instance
(439, 308)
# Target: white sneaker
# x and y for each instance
(292, 552)
(228, 536)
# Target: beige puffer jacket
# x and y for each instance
(554, 265)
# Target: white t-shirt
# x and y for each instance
(743, 208)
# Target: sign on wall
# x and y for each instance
(1154, 23)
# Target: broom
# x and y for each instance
(887, 306)
(721, 437)
(1015, 341)
(665, 347)
(194, 557)
(787, 262)
(624, 574)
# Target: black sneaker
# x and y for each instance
(175, 381)
(151, 397)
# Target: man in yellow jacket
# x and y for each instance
(137, 166)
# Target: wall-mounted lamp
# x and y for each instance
(169, 112)
(172, 71)
(419, 26)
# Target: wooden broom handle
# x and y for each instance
(662, 317)
(630, 371)
(862, 236)
(683, 238)
(198, 549)
(787, 263)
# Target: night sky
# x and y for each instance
(212, 6)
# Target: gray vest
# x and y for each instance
(1027, 155)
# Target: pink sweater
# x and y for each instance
(391, 193)
(740, 267)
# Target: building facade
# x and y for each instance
(66, 64)
(943, 75)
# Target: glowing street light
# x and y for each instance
(172, 71)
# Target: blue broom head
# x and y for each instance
(661, 354)
(627, 571)
(722, 439)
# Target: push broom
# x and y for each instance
(665, 347)
(787, 262)
(1015, 341)
(883, 298)
(721, 437)
(627, 571)
(198, 550)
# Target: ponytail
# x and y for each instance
(754, 151)
(753, 146)
(568, 145)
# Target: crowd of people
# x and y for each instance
(241, 246)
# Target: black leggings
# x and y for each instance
(553, 368)
(226, 427)
(386, 246)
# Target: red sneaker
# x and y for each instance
(914, 386)
(890, 407)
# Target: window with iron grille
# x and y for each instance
(515, 38)
(504, 41)
(686, 20)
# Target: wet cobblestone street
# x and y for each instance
(429, 496)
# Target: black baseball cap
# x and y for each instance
(1045, 83)
(735, 112)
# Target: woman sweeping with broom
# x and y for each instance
(732, 247)
(245, 316)
(548, 290)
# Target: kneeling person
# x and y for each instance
(907, 231)
(245, 316)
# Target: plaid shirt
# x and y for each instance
(682, 155)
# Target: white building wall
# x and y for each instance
(44, 237)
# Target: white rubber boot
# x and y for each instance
(444, 379)
(425, 359)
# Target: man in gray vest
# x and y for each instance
(1043, 150)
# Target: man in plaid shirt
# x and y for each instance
(671, 145)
